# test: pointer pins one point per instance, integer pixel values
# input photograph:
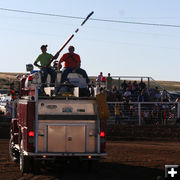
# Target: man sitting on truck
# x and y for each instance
(72, 63)
(44, 59)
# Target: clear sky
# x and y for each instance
(121, 49)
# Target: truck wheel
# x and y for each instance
(24, 162)
(36, 166)
(12, 152)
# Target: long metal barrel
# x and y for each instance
(69, 39)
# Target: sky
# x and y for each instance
(118, 48)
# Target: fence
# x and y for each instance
(144, 113)
(118, 80)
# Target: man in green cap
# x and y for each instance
(44, 59)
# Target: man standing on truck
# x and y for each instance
(72, 63)
(44, 59)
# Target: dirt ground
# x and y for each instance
(126, 160)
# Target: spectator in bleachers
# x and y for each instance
(119, 95)
(142, 85)
(127, 95)
(132, 113)
(109, 96)
(109, 82)
(135, 91)
(146, 115)
(102, 90)
(135, 86)
(157, 94)
(130, 86)
(165, 99)
(103, 79)
(114, 89)
(156, 114)
(146, 94)
(165, 111)
(164, 94)
(151, 97)
(99, 76)
(141, 97)
(124, 86)
(114, 93)
(117, 113)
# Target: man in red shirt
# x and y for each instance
(72, 63)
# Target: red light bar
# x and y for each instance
(102, 134)
(31, 133)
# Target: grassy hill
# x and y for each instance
(7, 78)
(170, 85)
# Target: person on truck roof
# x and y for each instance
(72, 63)
(44, 59)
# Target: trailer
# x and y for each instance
(45, 128)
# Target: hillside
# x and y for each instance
(7, 78)
(170, 85)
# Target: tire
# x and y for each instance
(14, 155)
(36, 166)
(24, 161)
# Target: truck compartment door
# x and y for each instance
(75, 139)
(66, 138)
(56, 138)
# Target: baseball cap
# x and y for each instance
(44, 46)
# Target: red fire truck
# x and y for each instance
(47, 127)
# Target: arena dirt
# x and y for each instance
(126, 160)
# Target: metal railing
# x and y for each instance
(144, 113)
(149, 81)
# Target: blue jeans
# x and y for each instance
(44, 74)
(66, 71)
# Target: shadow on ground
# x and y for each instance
(104, 171)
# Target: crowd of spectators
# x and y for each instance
(130, 91)
(134, 91)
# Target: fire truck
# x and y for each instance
(63, 127)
